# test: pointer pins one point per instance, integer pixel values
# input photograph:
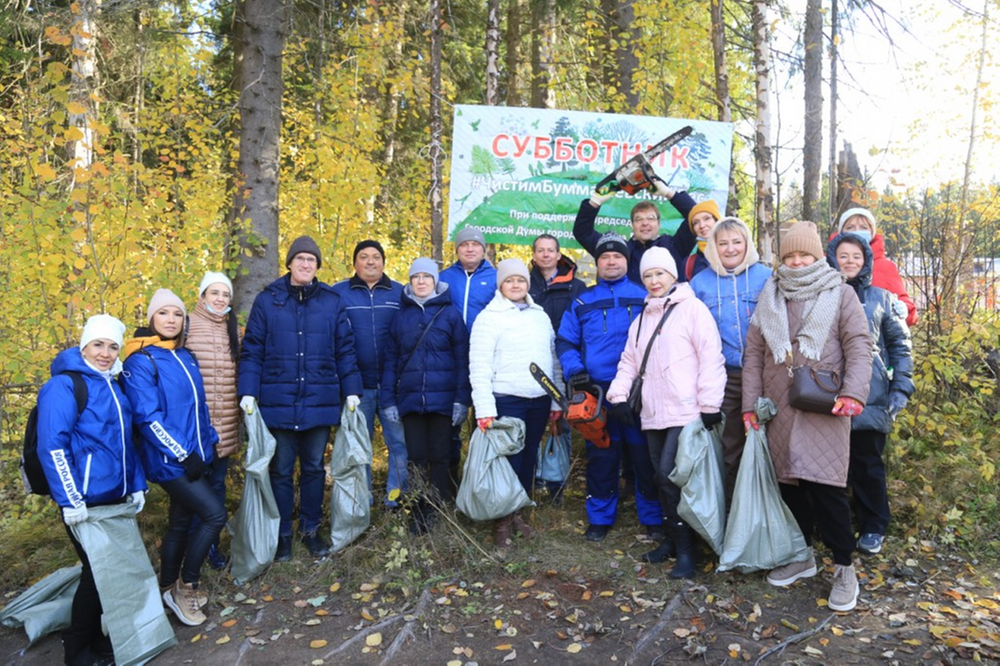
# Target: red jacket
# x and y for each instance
(886, 275)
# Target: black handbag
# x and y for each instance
(814, 390)
(634, 400)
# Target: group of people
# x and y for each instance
(695, 315)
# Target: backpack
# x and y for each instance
(32, 473)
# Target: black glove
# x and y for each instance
(622, 413)
(194, 466)
(711, 419)
(579, 379)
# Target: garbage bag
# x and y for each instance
(350, 498)
(553, 458)
(45, 607)
(698, 473)
(255, 525)
(490, 489)
(762, 532)
(129, 591)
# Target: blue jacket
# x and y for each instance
(892, 365)
(169, 408)
(370, 311)
(679, 245)
(470, 293)
(432, 378)
(298, 356)
(732, 300)
(91, 459)
(593, 331)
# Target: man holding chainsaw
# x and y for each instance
(590, 342)
(645, 228)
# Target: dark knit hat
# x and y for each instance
(366, 244)
(611, 242)
(802, 237)
(303, 244)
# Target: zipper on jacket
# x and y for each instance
(465, 304)
(371, 297)
(194, 390)
(121, 424)
(605, 311)
(86, 474)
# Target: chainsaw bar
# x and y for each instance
(550, 386)
(643, 160)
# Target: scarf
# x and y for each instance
(818, 283)
(135, 344)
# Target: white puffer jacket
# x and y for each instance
(504, 343)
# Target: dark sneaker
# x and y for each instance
(596, 532)
(870, 543)
(216, 559)
(316, 545)
(284, 552)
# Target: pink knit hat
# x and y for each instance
(162, 298)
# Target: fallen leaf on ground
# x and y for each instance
(511, 657)
(317, 644)
(228, 623)
(373, 640)
(222, 640)
(573, 648)
(335, 587)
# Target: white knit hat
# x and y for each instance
(102, 327)
(863, 212)
(658, 257)
(211, 278)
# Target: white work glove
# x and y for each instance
(352, 402)
(663, 190)
(137, 498)
(391, 414)
(74, 516)
(248, 404)
(597, 200)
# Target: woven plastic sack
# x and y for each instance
(46, 606)
(255, 525)
(553, 458)
(698, 473)
(490, 489)
(350, 498)
(762, 532)
(129, 591)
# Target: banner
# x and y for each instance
(517, 173)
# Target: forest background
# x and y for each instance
(143, 143)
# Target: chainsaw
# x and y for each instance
(584, 410)
(637, 173)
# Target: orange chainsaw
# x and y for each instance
(584, 410)
(637, 172)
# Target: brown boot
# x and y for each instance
(501, 532)
(522, 526)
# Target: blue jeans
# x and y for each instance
(395, 444)
(308, 446)
(535, 414)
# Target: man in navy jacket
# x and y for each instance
(298, 360)
(371, 301)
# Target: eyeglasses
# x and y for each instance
(645, 218)
(304, 259)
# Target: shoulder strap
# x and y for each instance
(79, 390)
(652, 339)
(156, 372)
(421, 339)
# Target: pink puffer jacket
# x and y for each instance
(208, 340)
(686, 372)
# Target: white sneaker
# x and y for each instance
(789, 573)
(844, 595)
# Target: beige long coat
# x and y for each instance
(208, 340)
(805, 445)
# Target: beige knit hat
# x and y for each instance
(802, 237)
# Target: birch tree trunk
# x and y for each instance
(512, 41)
(256, 196)
(766, 228)
(543, 39)
(834, 202)
(435, 195)
(622, 61)
(723, 100)
(812, 40)
(492, 52)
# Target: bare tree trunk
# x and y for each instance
(512, 40)
(812, 41)
(543, 39)
(256, 197)
(834, 202)
(621, 61)
(492, 52)
(435, 196)
(390, 115)
(722, 97)
(233, 177)
(766, 228)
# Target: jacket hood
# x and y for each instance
(357, 283)
(441, 296)
(132, 345)
(565, 270)
(863, 279)
(72, 360)
(680, 292)
(501, 302)
(712, 251)
(483, 265)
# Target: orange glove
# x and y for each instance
(846, 406)
(750, 421)
(485, 423)
(555, 415)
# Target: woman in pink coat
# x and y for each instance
(685, 379)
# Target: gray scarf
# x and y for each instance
(817, 282)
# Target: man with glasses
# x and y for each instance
(297, 362)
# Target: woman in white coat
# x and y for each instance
(508, 336)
